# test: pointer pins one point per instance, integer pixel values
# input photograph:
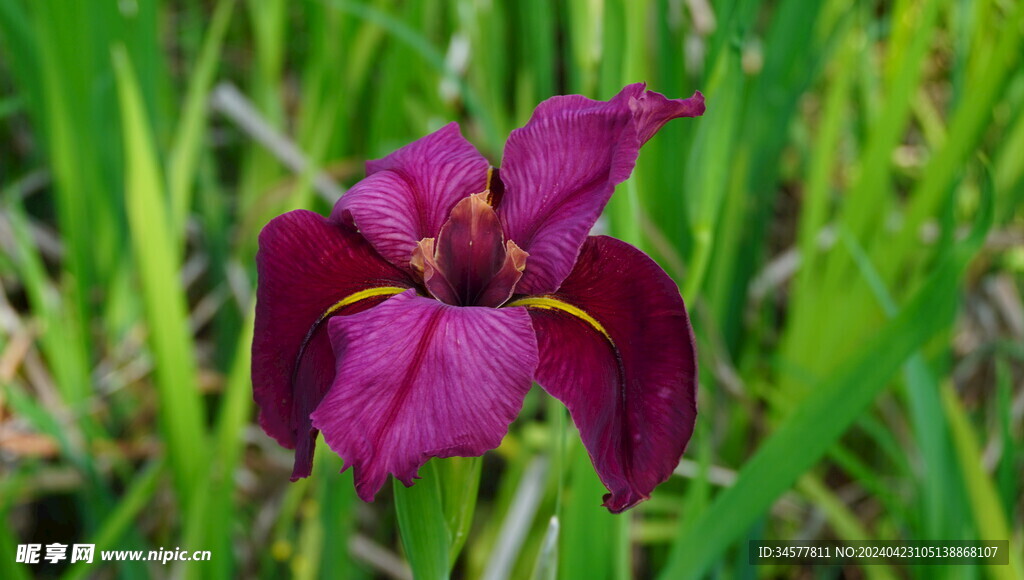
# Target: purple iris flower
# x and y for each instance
(411, 323)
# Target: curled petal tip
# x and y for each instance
(619, 503)
(422, 256)
(698, 99)
(517, 255)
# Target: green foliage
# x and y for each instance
(423, 525)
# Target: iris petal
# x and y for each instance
(306, 265)
(470, 264)
(448, 383)
(561, 168)
(616, 347)
(408, 195)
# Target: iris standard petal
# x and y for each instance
(419, 379)
(408, 195)
(616, 347)
(560, 169)
(309, 269)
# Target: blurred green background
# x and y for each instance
(844, 222)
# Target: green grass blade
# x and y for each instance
(814, 212)
(184, 155)
(421, 522)
(157, 259)
(708, 175)
(868, 197)
(236, 404)
(585, 21)
(53, 309)
(20, 53)
(588, 541)
(433, 57)
(209, 523)
(986, 507)
(804, 437)
(546, 566)
(968, 123)
(536, 77)
(75, 115)
(1009, 172)
(136, 498)
(337, 501)
(941, 494)
(905, 64)
(460, 481)
(9, 569)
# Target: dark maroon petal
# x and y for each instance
(503, 282)
(313, 375)
(305, 266)
(623, 363)
(469, 264)
(561, 168)
(408, 195)
(470, 248)
(422, 379)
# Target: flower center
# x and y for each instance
(470, 263)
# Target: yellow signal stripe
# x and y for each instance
(361, 295)
(551, 303)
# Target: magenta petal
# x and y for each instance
(633, 397)
(305, 265)
(652, 110)
(561, 168)
(421, 379)
(408, 195)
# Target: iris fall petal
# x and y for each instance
(624, 364)
(305, 265)
(448, 383)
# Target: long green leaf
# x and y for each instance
(119, 521)
(987, 510)
(431, 55)
(421, 522)
(209, 523)
(941, 495)
(823, 416)
(188, 140)
(8, 546)
(157, 260)
(969, 120)
(588, 540)
(460, 481)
